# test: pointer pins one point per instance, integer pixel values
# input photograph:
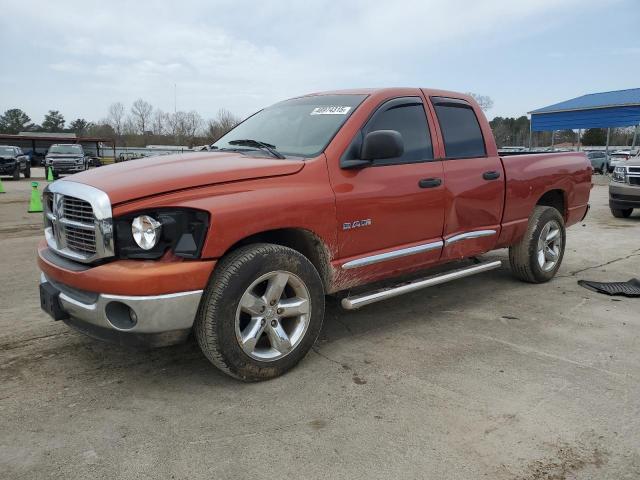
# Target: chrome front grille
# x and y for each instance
(78, 222)
(80, 240)
(77, 210)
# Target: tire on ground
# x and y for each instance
(214, 326)
(621, 212)
(523, 256)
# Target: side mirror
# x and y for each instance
(382, 144)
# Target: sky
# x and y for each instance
(78, 57)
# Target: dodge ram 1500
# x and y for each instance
(315, 195)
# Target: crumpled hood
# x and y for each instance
(148, 176)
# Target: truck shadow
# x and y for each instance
(184, 366)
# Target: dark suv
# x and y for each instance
(66, 159)
(13, 161)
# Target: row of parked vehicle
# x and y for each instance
(606, 163)
(61, 158)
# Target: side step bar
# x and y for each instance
(357, 301)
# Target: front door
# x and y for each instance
(390, 213)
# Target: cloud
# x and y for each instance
(244, 54)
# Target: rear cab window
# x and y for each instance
(460, 128)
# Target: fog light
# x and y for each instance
(121, 315)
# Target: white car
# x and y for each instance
(619, 158)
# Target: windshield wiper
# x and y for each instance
(247, 142)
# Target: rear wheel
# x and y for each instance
(621, 212)
(261, 312)
(537, 257)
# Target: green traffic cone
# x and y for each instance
(1, 187)
(35, 205)
(49, 174)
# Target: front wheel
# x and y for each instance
(27, 171)
(537, 257)
(261, 313)
(621, 212)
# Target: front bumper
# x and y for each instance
(158, 320)
(67, 168)
(623, 196)
(8, 168)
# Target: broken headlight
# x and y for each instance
(149, 234)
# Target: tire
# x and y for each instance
(524, 257)
(27, 171)
(222, 321)
(621, 212)
(16, 173)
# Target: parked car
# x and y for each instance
(618, 158)
(599, 161)
(320, 194)
(624, 188)
(13, 162)
(66, 159)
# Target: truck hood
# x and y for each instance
(149, 176)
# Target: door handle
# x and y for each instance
(430, 182)
(492, 175)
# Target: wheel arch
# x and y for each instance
(555, 198)
(302, 240)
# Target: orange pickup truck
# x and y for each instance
(320, 194)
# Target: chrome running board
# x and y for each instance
(357, 301)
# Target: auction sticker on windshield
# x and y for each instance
(330, 110)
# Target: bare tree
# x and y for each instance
(192, 125)
(159, 122)
(115, 117)
(141, 112)
(485, 102)
(224, 122)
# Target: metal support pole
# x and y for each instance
(606, 149)
(553, 133)
(579, 135)
(635, 137)
(530, 133)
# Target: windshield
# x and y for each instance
(297, 127)
(67, 149)
(7, 151)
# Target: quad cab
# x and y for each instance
(321, 194)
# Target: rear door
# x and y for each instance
(473, 179)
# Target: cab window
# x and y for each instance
(409, 119)
(460, 128)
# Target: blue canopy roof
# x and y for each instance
(619, 108)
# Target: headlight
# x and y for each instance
(150, 234)
(146, 231)
(619, 174)
(79, 161)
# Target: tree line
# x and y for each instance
(137, 126)
(142, 124)
(512, 132)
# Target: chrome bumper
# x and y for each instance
(152, 314)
